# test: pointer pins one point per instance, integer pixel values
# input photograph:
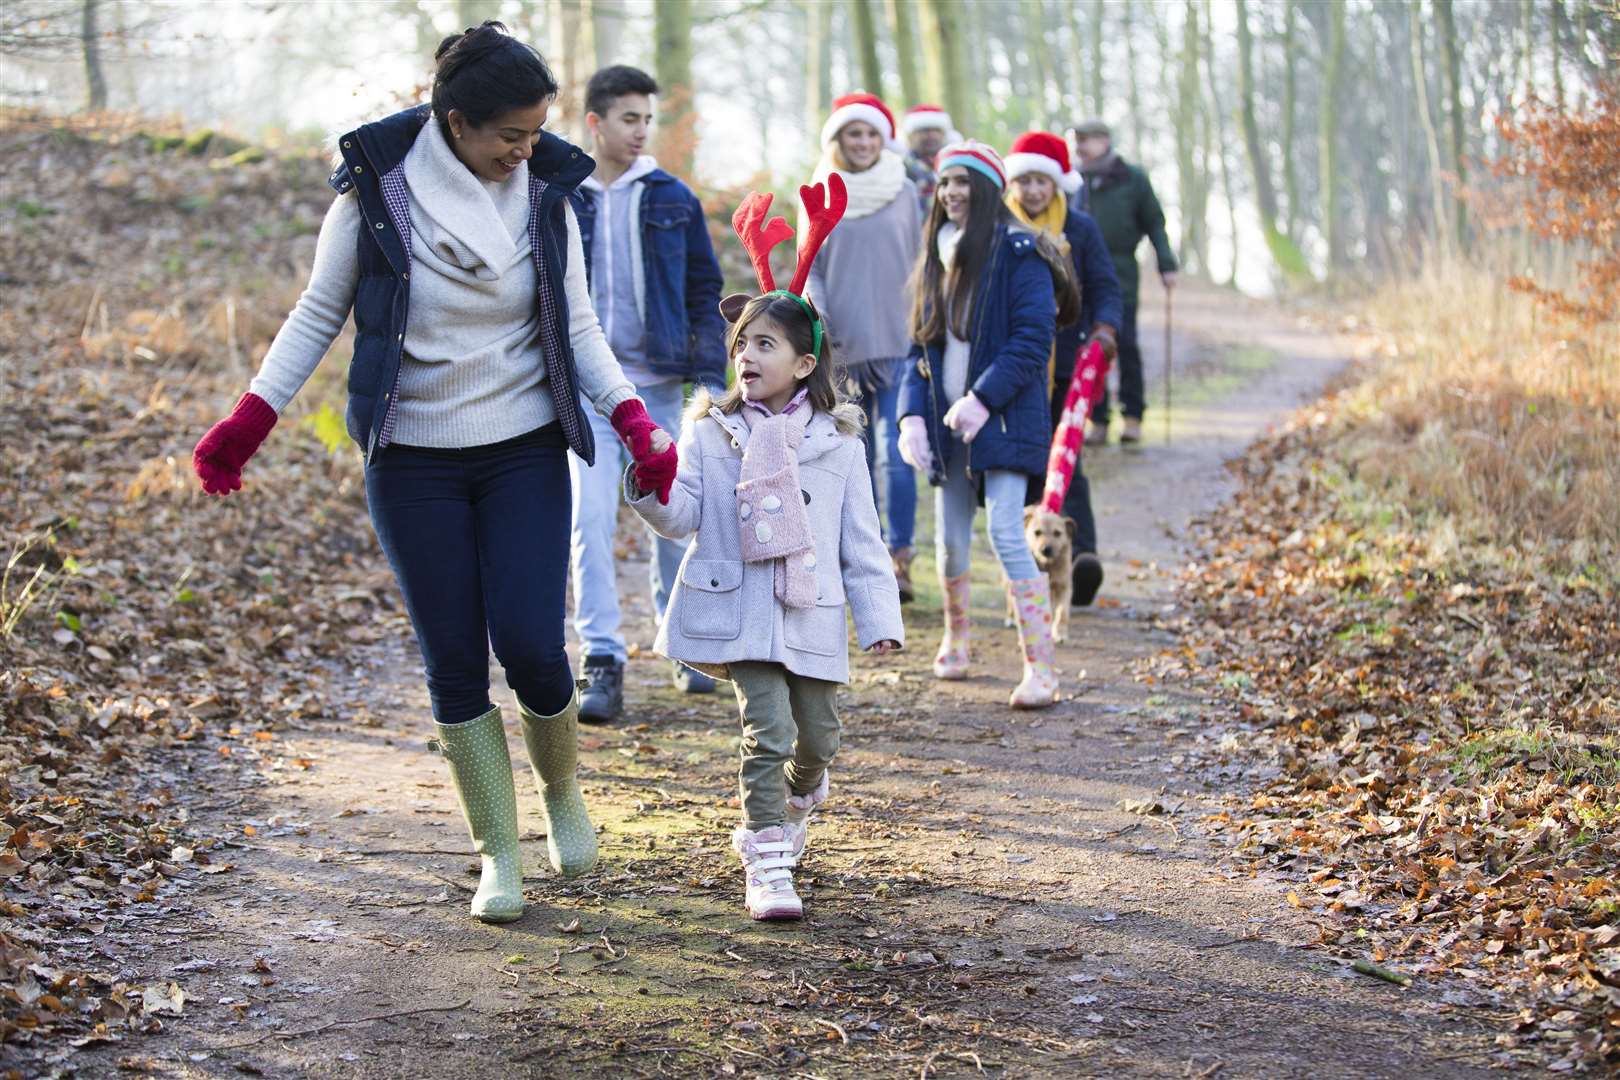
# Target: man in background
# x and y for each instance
(1123, 204)
(655, 285)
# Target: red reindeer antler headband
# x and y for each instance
(824, 208)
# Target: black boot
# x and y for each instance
(602, 700)
(1088, 578)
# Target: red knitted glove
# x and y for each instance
(220, 454)
(650, 448)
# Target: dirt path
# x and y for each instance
(981, 897)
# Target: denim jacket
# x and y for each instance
(685, 331)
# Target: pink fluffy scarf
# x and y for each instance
(772, 521)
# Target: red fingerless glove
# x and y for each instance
(220, 454)
(654, 469)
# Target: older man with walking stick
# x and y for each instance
(1125, 207)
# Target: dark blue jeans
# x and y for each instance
(1132, 390)
(878, 386)
(478, 539)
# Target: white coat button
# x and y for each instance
(770, 503)
(762, 533)
(745, 511)
(810, 561)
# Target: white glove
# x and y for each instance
(914, 448)
(967, 416)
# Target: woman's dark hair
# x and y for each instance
(790, 315)
(485, 72)
(944, 301)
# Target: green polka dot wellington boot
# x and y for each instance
(481, 770)
(554, 756)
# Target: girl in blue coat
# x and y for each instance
(974, 398)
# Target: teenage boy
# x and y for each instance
(655, 285)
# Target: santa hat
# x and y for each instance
(864, 107)
(1045, 153)
(926, 117)
(976, 156)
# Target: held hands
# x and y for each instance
(967, 416)
(1104, 336)
(1169, 278)
(220, 454)
(650, 446)
(887, 645)
(914, 448)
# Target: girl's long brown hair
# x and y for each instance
(787, 313)
(944, 301)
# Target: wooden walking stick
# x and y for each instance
(1167, 365)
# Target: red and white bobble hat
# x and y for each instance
(865, 107)
(1046, 153)
(925, 117)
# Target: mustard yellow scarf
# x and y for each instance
(1049, 221)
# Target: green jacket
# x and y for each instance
(1123, 203)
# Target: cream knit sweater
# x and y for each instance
(472, 372)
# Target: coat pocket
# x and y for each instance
(822, 629)
(711, 601)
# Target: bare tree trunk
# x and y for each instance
(1040, 50)
(1082, 62)
(1327, 134)
(1290, 119)
(677, 128)
(607, 31)
(817, 65)
(905, 45)
(565, 53)
(471, 13)
(1265, 193)
(1452, 70)
(1098, 100)
(1128, 31)
(1187, 95)
(1558, 49)
(1431, 138)
(94, 78)
(865, 28)
(942, 58)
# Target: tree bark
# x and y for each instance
(942, 59)
(1265, 193)
(1099, 101)
(94, 78)
(865, 28)
(817, 65)
(905, 46)
(1218, 132)
(607, 32)
(1187, 95)
(1040, 50)
(1128, 31)
(1082, 62)
(1440, 225)
(677, 127)
(1327, 135)
(1290, 119)
(1452, 70)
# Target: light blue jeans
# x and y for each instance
(597, 491)
(954, 504)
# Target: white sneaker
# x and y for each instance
(798, 814)
(767, 858)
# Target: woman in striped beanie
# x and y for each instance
(973, 402)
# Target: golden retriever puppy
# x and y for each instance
(1051, 541)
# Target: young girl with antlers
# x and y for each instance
(773, 481)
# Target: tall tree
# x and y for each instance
(817, 64)
(866, 44)
(942, 59)
(95, 79)
(1190, 184)
(1265, 193)
(607, 32)
(470, 13)
(1217, 132)
(1327, 134)
(1431, 138)
(1290, 117)
(1134, 96)
(1077, 37)
(905, 49)
(1451, 68)
(677, 127)
(1099, 59)
(1040, 51)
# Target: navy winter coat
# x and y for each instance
(373, 158)
(1101, 300)
(1014, 319)
(684, 327)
